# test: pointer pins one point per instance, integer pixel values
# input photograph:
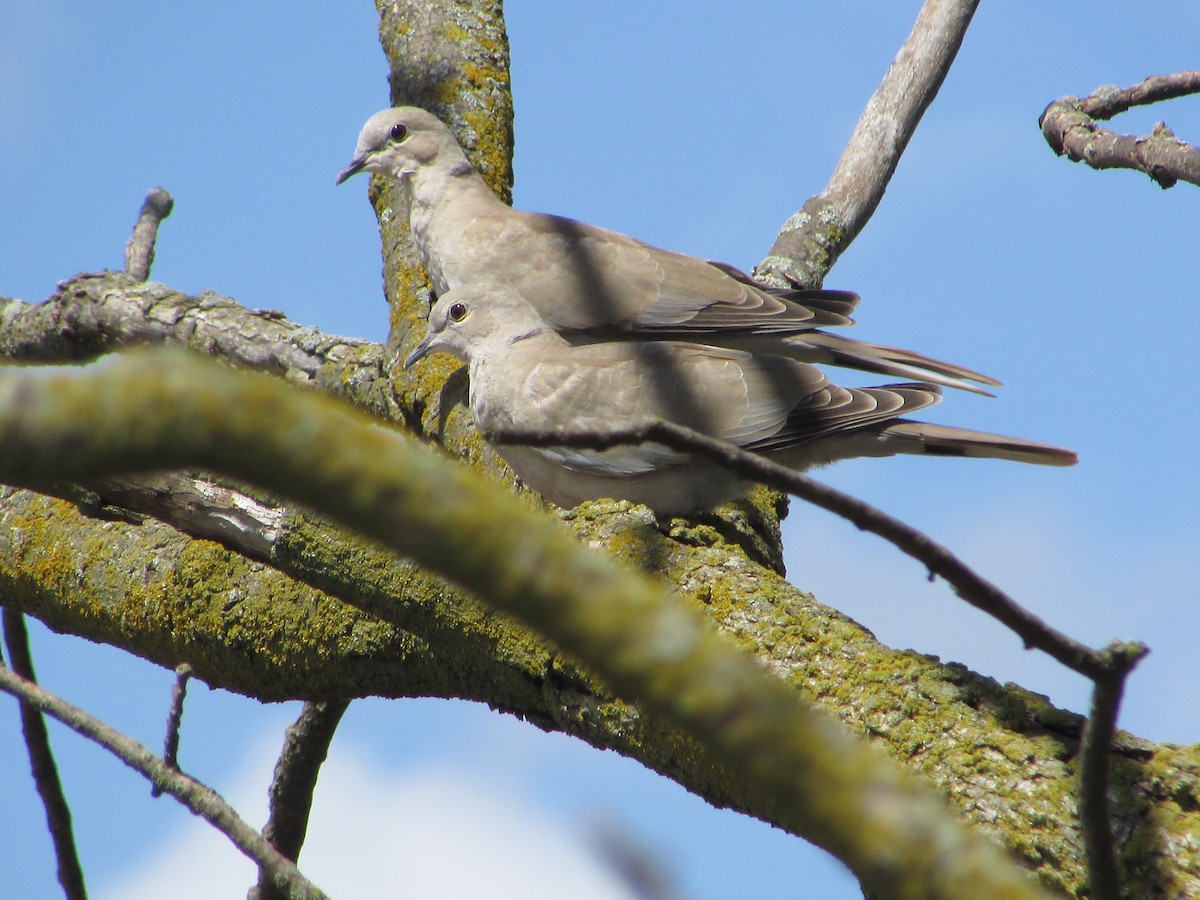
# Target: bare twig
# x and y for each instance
(638, 869)
(41, 760)
(1104, 878)
(939, 561)
(812, 239)
(1069, 125)
(1108, 101)
(1107, 668)
(197, 797)
(139, 252)
(174, 717)
(304, 751)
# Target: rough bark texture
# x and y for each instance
(274, 625)
(1005, 756)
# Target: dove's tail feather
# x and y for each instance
(894, 361)
(904, 436)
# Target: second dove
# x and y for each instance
(527, 379)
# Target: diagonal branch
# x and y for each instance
(940, 562)
(41, 760)
(96, 313)
(813, 238)
(198, 797)
(304, 751)
(1107, 668)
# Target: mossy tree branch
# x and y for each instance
(1002, 755)
(162, 408)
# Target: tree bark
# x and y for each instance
(308, 611)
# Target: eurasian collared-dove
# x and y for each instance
(588, 282)
(526, 378)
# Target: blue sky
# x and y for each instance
(700, 130)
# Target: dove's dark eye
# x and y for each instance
(458, 312)
(399, 132)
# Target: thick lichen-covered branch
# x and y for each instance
(814, 647)
(95, 313)
(452, 59)
(161, 408)
(1003, 756)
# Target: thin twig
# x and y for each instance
(139, 252)
(939, 561)
(1069, 125)
(1107, 668)
(183, 672)
(1108, 101)
(812, 239)
(197, 797)
(1104, 879)
(41, 760)
(641, 873)
(304, 751)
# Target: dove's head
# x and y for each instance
(400, 141)
(477, 320)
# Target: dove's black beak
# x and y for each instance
(419, 351)
(356, 165)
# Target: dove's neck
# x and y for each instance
(444, 202)
(503, 366)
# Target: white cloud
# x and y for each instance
(433, 831)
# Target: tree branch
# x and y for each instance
(304, 751)
(139, 252)
(92, 314)
(154, 409)
(1107, 668)
(1108, 101)
(1101, 666)
(41, 760)
(183, 672)
(933, 717)
(1104, 877)
(813, 238)
(198, 797)
(1069, 125)
(977, 591)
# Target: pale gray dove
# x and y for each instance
(526, 378)
(588, 282)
